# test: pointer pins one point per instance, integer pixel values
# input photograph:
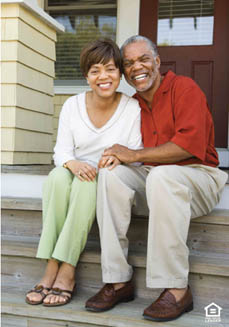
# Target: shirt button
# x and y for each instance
(154, 132)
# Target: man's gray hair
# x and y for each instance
(138, 38)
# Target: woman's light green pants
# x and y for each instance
(68, 213)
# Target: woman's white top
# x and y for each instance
(79, 139)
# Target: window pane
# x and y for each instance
(82, 25)
(185, 22)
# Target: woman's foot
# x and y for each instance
(65, 280)
(42, 288)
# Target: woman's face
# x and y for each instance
(104, 79)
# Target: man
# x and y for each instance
(178, 181)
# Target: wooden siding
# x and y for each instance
(59, 100)
(15, 51)
(28, 45)
(18, 95)
(15, 10)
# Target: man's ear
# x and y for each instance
(158, 61)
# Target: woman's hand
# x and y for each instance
(109, 162)
(82, 170)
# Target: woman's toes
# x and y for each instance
(47, 299)
(53, 299)
(34, 297)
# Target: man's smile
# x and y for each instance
(139, 77)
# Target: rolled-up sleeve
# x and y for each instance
(64, 148)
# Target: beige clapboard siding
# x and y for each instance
(26, 119)
(21, 140)
(15, 29)
(55, 123)
(13, 10)
(28, 44)
(8, 139)
(16, 51)
(8, 117)
(25, 158)
(58, 101)
(18, 95)
(14, 72)
(55, 128)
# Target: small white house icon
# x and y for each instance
(212, 310)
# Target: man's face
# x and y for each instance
(140, 67)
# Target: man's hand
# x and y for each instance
(109, 162)
(164, 153)
(121, 152)
(82, 170)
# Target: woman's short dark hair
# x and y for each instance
(100, 51)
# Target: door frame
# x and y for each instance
(148, 17)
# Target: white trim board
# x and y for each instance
(32, 6)
(22, 186)
(223, 157)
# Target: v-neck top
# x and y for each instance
(79, 139)
(81, 99)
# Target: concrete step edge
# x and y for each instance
(200, 263)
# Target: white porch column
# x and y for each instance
(128, 14)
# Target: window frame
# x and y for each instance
(76, 86)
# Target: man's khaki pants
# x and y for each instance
(171, 195)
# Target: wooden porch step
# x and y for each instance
(217, 216)
(15, 312)
(204, 263)
(27, 169)
(21, 225)
(20, 269)
(207, 234)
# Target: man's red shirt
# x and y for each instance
(179, 114)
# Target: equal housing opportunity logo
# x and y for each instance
(212, 313)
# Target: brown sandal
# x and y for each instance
(59, 292)
(37, 289)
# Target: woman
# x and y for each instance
(89, 123)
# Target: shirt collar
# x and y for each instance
(163, 88)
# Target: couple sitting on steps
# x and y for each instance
(152, 154)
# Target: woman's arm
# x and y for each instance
(64, 148)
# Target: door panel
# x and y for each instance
(206, 64)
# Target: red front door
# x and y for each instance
(206, 64)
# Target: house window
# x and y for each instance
(84, 21)
(188, 22)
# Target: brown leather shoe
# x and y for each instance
(107, 297)
(166, 308)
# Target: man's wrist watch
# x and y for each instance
(65, 165)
